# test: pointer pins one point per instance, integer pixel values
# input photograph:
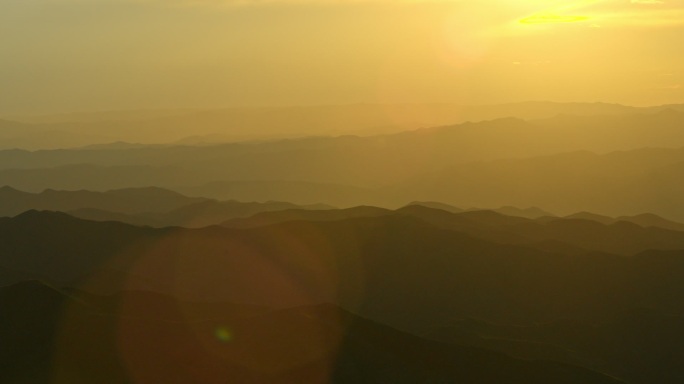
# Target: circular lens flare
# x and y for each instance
(223, 334)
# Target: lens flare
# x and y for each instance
(223, 334)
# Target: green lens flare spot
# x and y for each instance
(223, 334)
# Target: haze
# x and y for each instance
(341, 191)
(86, 55)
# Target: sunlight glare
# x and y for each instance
(551, 18)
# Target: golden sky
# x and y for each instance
(77, 55)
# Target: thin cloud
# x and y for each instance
(550, 18)
(613, 13)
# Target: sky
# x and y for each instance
(86, 55)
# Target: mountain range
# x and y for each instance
(419, 270)
(207, 126)
(428, 243)
(356, 262)
(155, 207)
(600, 167)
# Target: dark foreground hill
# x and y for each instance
(640, 347)
(50, 337)
(396, 269)
(418, 269)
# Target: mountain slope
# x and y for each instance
(395, 269)
(127, 340)
(639, 347)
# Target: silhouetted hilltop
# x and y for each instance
(490, 217)
(131, 200)
(149, 206)
(592, 217)
(275, 217)
(643, 220)
(94, 214)
(214, 212)
(437, 205)
(59, 248)
(619, 236)
(530, 213)
(293, 191)
(194, 215)
(575, 234)
(651, 220)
